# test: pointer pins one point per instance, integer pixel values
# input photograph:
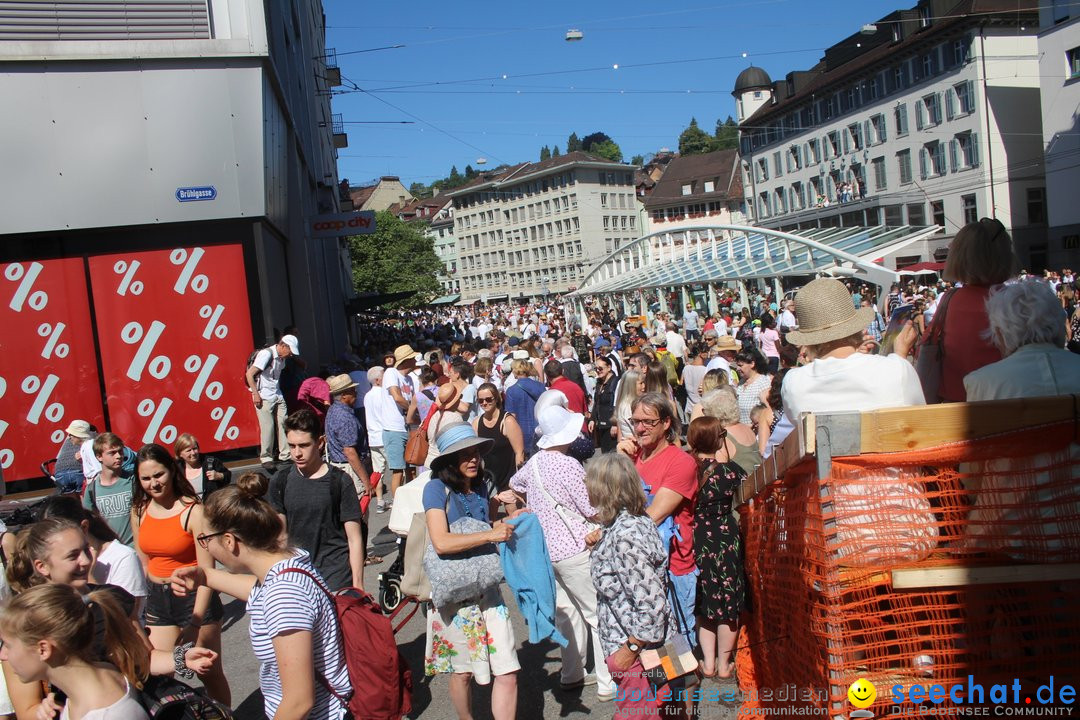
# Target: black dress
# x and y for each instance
(603, 411)
(499, 461)
(721, 593)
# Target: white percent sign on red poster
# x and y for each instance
(48, 370)
(175, 333)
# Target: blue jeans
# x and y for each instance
(682, 604)
(69, 481)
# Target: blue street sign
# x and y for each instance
(192, 194)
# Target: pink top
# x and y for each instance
(564, 479)
(965, 348)
(770, 342)
(315, 388)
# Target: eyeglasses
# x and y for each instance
(647, 422)
(204, 540)
(485, 400)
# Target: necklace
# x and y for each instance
(463, 499)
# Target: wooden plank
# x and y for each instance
(916, 428)
(953, 576)
(796, 448)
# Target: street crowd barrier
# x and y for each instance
(914, 547)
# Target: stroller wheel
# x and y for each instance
(390, 595)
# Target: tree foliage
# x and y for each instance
(638, 160)
(545, 153)
(555, 151)
(573, 143)
(694, 140)
(727, 134)
(596, 138)
(395, 258)
(608, 150)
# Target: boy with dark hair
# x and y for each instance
(110, 491)
(318, 505)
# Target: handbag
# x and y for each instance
(931, 357)
(415, 581)
(416, 447)
(565, 514)
(463, 576)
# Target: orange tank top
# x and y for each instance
(166, 544)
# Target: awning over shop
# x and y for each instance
(733, 252)
(446, 299)
(923, 267)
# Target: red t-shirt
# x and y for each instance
(575, 396)
(965, 348)
(675, 470)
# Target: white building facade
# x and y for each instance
(1059, 72)
(923, 119)
(535, 229)
(441, 232)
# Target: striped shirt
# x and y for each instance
(288, 602)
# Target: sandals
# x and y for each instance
(372, 560)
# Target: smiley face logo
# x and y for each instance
(862, 693)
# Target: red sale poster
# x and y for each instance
(48, 370)
(174, 334)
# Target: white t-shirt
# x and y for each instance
(271, 365)
(690, 320)
(90, 464)
(119, 565)
(382, 414)
(393, 378)
(126, 708)
(856, 383)
(675, 344)
(285, 602)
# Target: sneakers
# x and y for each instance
(269, 466)
(380, 508)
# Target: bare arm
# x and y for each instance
(663, 505)
(448, 543)
(395, 392)
(512, 431)
(357, 552)
(203, 557)
(353, 458)
(252, 373)
(293, 652)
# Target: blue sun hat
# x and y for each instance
(454, 437)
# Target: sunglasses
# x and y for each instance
(485, 400)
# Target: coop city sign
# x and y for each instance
(361, 222)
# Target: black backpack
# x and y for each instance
(251, 359)
(166, 698)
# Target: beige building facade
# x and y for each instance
(536, 229)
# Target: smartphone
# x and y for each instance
(896, 323)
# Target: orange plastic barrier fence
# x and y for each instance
(914, 568)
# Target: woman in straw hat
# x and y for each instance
(838, 377)
(472, 639)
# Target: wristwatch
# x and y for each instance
(633, 646)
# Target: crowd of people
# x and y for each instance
(625, 439)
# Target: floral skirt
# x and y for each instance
(472, 638)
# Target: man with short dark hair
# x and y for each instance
(109, 493)
(318, 505)
(556, 380)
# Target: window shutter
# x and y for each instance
(970, 96)
(974, 150)
(950, 103)
(847, 142)
(882, 133)
(919, 115)
(937, 108)
(923, 173)
(954, 160)
(859, 137)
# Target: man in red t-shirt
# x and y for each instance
(671, 475)
(575, 396)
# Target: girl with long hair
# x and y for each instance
(166, 516)
(630, 387)
(49, 635)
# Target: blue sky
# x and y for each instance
(448, 78)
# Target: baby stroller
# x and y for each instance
(408, 503)
(390, 595)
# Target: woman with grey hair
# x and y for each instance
(1027, 324)
(723, 405)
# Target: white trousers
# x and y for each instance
(575, 617)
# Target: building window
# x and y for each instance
(815, 150)
(971, 208)
(916, 214)
(1073, 57)
(965, 97)
(960, 51)
(900, 115)
(710, 186)
(1036, 206)
(603, 200)
(879, 173)
(903, 160)
(937, 212)
(834, 144)
(778, 168)
(877, 123)
(763, 170)
(900, 76)
(932, 160)
(965, 151)
(855, 131)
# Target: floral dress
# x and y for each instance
(472, 638)
(717, 546)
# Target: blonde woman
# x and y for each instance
(713, 379)
(631, 385)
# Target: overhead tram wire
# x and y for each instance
(421, 120)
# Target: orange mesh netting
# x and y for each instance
(820, 556)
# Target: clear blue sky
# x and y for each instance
(448, 77)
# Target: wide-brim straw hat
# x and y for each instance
(726, 342)
(825, 312)
(454, 437)
(404, 357)
(340, 383)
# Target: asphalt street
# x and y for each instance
(539, 695)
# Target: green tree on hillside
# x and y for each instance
(694, 140)
(555, 151)
(727, 134)
(395, 258)
(638, 160)
(608, 150)
(573, 143)
(545, 153)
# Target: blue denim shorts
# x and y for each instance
(394, 448)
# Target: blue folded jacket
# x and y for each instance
(528, 571)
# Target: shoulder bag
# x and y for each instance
(568, 516)
(465, 576)
(931, 357)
